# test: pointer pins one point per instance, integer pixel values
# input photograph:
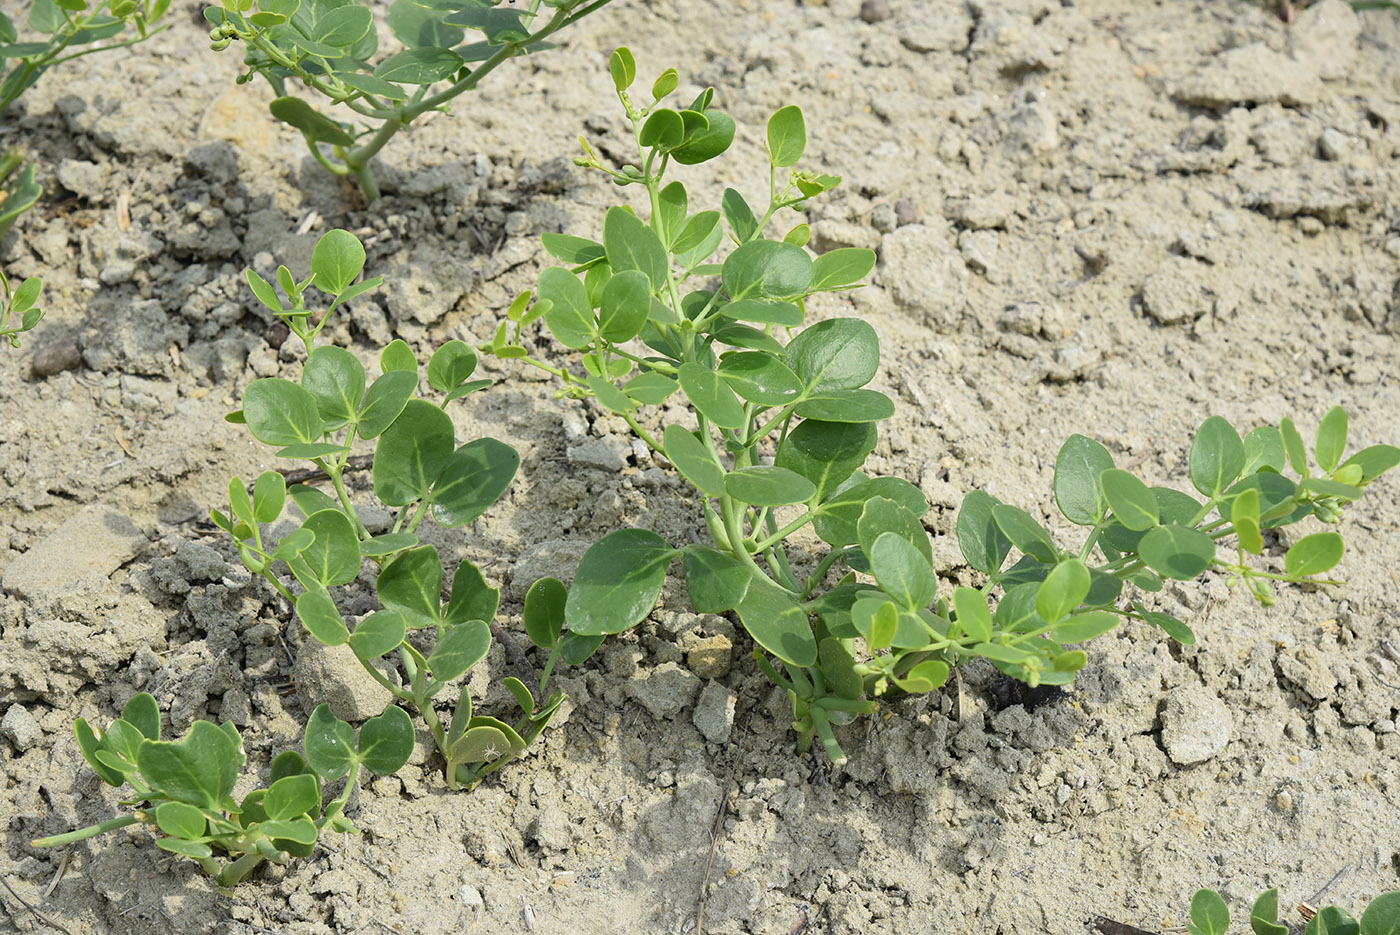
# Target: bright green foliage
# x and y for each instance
(19, 312)
(782, 429)
(331, 47)
(419, 470)
(1210, 916)
(185, 787)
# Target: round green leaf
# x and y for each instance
(882, 515)
(837, 518)
(767, 269)
(200, 769)
(1078, 490)
(778, 623)
(1133, 503)
(474, 478)
(544, 612)
(419, 66)
(847, 406)
(980, 539)
(707, 142)
(335, 378)
(1177, 552)
(329, 744)
(787, 136)
(570, 315)
(694, 460)
(1314, 554)
(460, 647)
(292, 796)
(760, 378)
(279, 412)
(412, 453)
(320, 616)
(625, 306)
(623, 68)
(450, 366)
(618, 582)
(837, 354)
(386, 741)
(480, 744)
(664, 130)
(1217, 456)
(180, 820)
(631, 244)
(768, 486)
(716, 582)
(973, 615)
(1084, 627)
(711, 396)
(1062, 590)
(903, 571)
(1209, 913)
(924, 677)
(1331, 438)
(838, 669)
(385, 401)
(334, 555)
(841, 268)
(379, 633)
(826, 453)
(412, 585)
(1382, 916)
(1025, 533)
(1245, 516)
(472, 598)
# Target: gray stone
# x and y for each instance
(714, 712)
(924, 273)
(1329, 192)
(1196, 725)
(1012, 43)
(980, 212)
(1324, 38)
(84, 179)
(55, 357)
(1176, 292)
(552, 558)
(929, 27)
(1308, 670)
(552, 828)
(979, 250)
(332, 674)
(830, 234)
(87, 548)
(20, 728)
(875, 11)
(608, 453)
(710, 657)
(1251, 74)
(216, 161)
(135, 339)
(664, 691)
(424, 288)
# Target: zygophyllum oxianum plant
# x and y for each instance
(19, 310)
(783, 421)
(331, 47)
(1210, 916)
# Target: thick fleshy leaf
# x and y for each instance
(269, 496)
(279, 412)
(1217, 457)
(451, 365)
(329, 744)
(826, 453)
(618, 582)
(419, 66)
(385, 401)
(570, 315)
(778, 623)
(480, 744)
(386, 741)
(847, 406)
(419, 27)
(335, 378)
(877, 620)
(199, 769)
(544, 612)
(1025, 533)
(1132, 501)
(837, 517)
(980, 539)
(1263, 450)
(1173, 507)
(881, 515)
(767, 269)
(142, 713)
(902, 571)
(315, 125)
(1062, 590)
(764, 312)
(412, 453)
(473, 479)
(711, 396)
(339, 256)
(292, 796)
(377, 634)
(651, 388)
(1382, 916)
(1374, 461)
(1209, 915)
(576, 251)
(412, 585)
(334, 555)
(768, 486)
(318, 613)
(1078, 490)
(1245, 516)
(716, 582)
(626, 303)
(460, 647)
(1331, 438)
(838, 669)
(1314, 554)
(707, 143)
(1084, 627)
(760, 378)
(1168, 624)
(631, 244)
(696, 462)
(1177, 551)
(472, 598)
(973, 615)
(180, 820)
(837, 354)
(787, 136)
(841, 268)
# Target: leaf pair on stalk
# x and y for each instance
(781, 420)
(330, 45)
(1210, 916)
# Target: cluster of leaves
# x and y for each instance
(1210, 916)
(328, 45)
(184, 788)
(782, 431)
(19, 312)
(73, 28)
(418, 471)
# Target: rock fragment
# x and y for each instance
(714, 712)
(332, 674)
(1196, 725)
(924, 273)
(20, 728)
(1324, 38)
(608, 453)
(663, 691)
(1176, 292)
(55, 357)
(1251, 74)
(88, 547)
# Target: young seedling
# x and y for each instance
(184, 788)
(19, 313)
(328, 46)
(418, 471)
(72, 29)
(1210, 916)
(782, 430)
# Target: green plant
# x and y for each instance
(328, 45)
(782, 430)
(20, 301)
(1210, 916)
(74, 28)
(184, 788)
(437, 635)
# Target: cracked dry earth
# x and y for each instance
(1101, 216)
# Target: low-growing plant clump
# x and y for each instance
(19, 311)
(783, 428)
(328, 45)
(1211, 916)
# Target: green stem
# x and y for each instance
(72, 837)
(822, 568)
(231, 875)
(781, 534)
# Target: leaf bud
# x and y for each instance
(218, 45)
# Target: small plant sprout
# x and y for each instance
(19, 313)
(781, 429)
(19, 188)
(183, 789)
(437, 634)
(1211, 916)
(328, 46)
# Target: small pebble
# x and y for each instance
(905, 212)
(875, 11)
(55, 357)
